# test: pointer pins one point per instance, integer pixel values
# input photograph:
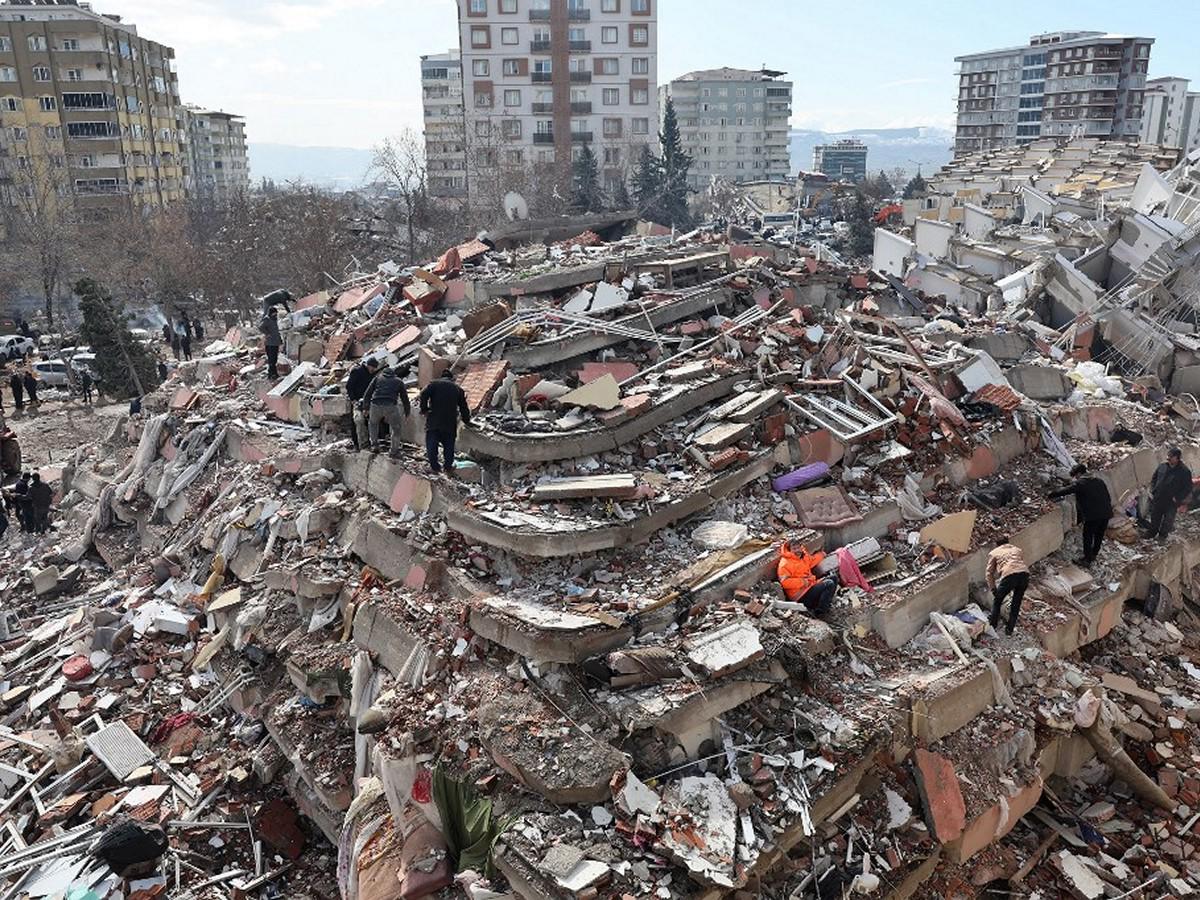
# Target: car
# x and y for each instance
(85, 362)
(51, 372)
(141, 335)
(14, 346)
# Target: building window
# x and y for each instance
(11, 104)
(508, 6)
(511, 128)
(608, 34)
(479, 68)
(41, 73)
(612, 156)
(47, 104)
(481, 37)
(483, 129)
(483, 99)
(611, 97)
(69, 44)
(479, 7)
(545, 126)
(641, 65)
(639, 96)
(508, 35)
(542, 66)
(5, 44)
(639, 7)
(37, 42)
(610, 66)
(639, 35)
(612, 128)
(610, 6)
(641, 126)
(512, 98)
(54, 132)
(512, 67)
(77, 75)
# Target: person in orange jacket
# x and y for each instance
(797, 574)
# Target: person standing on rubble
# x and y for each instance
(1093, 504)
(272, 340)
(31, 387)
(1007, 574)
(17, 386)
(19, 501)
(167, 331)
(176, 344)
(357, 383)
(384, 397)
(185, 342)
(85, 383)
(1169, 488)
(40, 498)
(442, 403)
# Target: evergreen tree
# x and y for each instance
(915, 187)
(126, 368)
(884, 186)
(620, 195)
(862, 229)
(675, 165)
(586, 195)
(647, 184)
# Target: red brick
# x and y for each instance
(691, 329)
(730, 456)
(619, 370)
(774, 428)
(941, 796)
(637, 404)
(1168, 780)
(481, 381)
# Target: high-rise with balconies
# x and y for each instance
(542, 78)
(445, 143)
(1063, 84)
(733, 123)
(219, 166)
(88, 103)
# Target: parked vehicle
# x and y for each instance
(85, 362)
(51, 372)
(14, 346)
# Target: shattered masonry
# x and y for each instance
(307, 663)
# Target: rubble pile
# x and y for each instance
(567, 667)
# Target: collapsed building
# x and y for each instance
(570, 669)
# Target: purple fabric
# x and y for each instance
(800, 477)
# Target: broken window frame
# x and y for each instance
(842, 419)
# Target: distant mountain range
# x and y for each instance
(335, 168)
(887, 148)
(345, 168)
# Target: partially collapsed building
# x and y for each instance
(570, 670)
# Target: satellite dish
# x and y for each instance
(515, 206)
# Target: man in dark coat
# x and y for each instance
(272, 340)
(384, 397)
(17, 385)
(357, 383)
(85, 383)
(1170, 486)
(1093, 504)
(442, 403)
(31, 387)
(40, 497)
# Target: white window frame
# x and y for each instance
(478, 7)
(39, 70)
(48, 104)
(609, 34)
(643, 122)
(512, 97)
(480, 68)
(640, 65)
(476, 32)
(614, 93)
(507, 32)
(37, 43)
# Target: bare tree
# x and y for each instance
(400, 162)
(40, 219)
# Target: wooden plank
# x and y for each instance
(758, 406)
(617, 486)
(722, 436)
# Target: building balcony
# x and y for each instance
(581, 109)
(543, 137)
(448, 190)
(581, 78)
(539, 46)
(579, 15)
(543, 108)
(580, 46)
(539, 15)
(582, 137)
(541, 77)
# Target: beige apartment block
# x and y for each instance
(445, 141)
(219, 165)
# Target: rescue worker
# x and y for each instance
(167, 332)
(176, 344)
(1170, 487)
(1007, 574)
(442, 403)
(85, 383)
(31, 387)
(162, 369)
(20, 502)
(357, 383)
(185, 343)
(40, 498)
(385, 391)
(17, 386)
(1093, 505)
(272, 340)
(199, 328)
(801, 583)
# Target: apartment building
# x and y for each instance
(842, 160)
(218, 163)
(733, 123)
(1171, 114)
(541, 78)
(445, 142)
(1063, 84)
(87, 101)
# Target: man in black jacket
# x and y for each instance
(1093, 504)
(272, 340)
(1171, 486)
(383, 393)
(357, 383)
(442, 402)
(41, 495)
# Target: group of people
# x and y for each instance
(378, 395)
(24, 388)
(29, 499)
(180, 336)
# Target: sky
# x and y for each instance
(344, 73)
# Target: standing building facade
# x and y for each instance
(733, 123)
(219, 165)
(87, 102)
(445, 142)
(842, 160)
(1171, 114)
(1063, 84)
(542, 78)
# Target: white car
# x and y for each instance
(14, 346)
(51, 372)
(82, 362)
